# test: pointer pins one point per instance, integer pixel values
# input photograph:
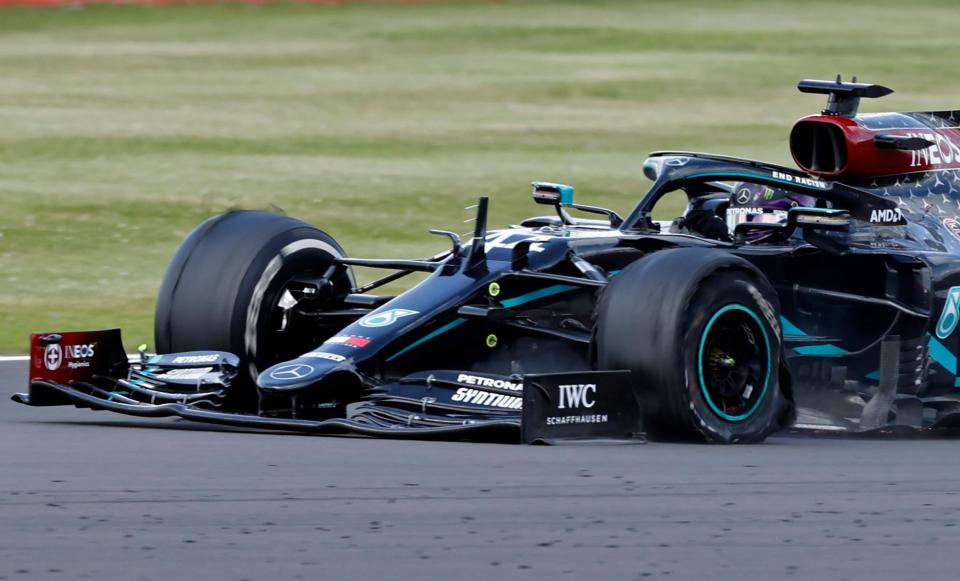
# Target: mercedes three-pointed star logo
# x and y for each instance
(292, 371)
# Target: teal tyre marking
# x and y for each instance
(703, 384)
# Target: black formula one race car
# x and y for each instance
(826, 298)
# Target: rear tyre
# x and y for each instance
(222, 289)
(699, 331)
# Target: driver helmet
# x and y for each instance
(751, 202)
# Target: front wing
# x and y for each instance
(439, 404)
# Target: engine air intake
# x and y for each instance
(818, 147)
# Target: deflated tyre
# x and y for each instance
(699, 331)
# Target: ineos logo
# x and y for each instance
(80, 351)
(576, 395)
(293, 371)
(52, 357)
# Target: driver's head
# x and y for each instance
(759, 203)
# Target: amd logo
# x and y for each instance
(888, 216)
(577, 395)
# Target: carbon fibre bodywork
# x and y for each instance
(844, 294)
(868, 282)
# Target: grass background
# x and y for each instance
(123, 127)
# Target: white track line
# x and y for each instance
(5, 358)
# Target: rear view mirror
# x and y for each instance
(560, 196)
(819, 219)
(552, 194)
(651, 169)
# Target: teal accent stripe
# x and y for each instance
(942, 355)
(754, 177)
(874, 375)
(789, 328)
(823, 350)
(508, 303)
(451, 325)
(538, 294)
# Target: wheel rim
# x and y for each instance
(734, 362)
(282, 337)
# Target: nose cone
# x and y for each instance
(295, 374)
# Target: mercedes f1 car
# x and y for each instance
(825, 297)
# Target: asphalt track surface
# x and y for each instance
(91, 495)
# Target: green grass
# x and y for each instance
(123, 127)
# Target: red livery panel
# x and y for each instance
(75, 356)
(834, 146)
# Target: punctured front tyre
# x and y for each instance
(699, 330)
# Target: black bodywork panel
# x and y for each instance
(884, 295)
